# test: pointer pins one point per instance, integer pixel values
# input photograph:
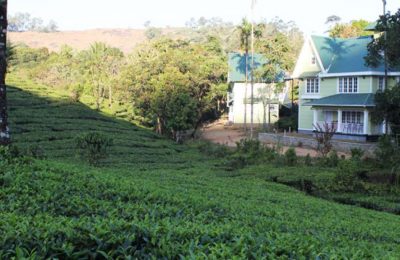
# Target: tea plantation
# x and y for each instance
(155, 199)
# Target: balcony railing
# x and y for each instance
(345, 128)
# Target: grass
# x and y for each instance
(153, 198)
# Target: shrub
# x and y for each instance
(248, 152)
(76, 92)
(211, 149)
(307, 160)
(323, 136)
(333, 159)
(93, 147)
(346, 178)
(388, 156)
(356, 153)
(290, 157)
(35, 151)
(286, 123)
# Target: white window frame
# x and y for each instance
(381, 83)
(345, 84)
(352, 117)
(316, 83)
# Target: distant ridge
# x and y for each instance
(124, 39)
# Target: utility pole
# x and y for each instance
(385, 55)
(253, 3)
(4, 130)
(384, 46)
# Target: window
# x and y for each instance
(312, 86)
(352, 117)
(348, 85)
(313, 60)
(381, 84)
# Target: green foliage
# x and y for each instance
(93, 147)
(356, 154)
(157, 199)
(308, 160)
(388, 156)
(216, 150)
(387, 152)
(182, 82)
(290, 157)
(21, 22)
(346, 178)
(332, 160)
(76, 92)
(286, 123)
(23, 55)
(153, 33)
(35, 151)
(391, 24)
(387, 107)
(350, 30)
(248, 152)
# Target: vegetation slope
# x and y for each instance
(154, 198)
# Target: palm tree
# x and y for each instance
(4, 130)
(245, 29)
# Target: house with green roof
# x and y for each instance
(266, 99)
(336, 87)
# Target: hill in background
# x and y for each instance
(124, 39)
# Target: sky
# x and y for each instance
(309, 15)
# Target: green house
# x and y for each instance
(266, 97)
(337, 88)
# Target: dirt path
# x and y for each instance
(219, 132)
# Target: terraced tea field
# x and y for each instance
(154, 198)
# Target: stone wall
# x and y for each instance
(340, 146)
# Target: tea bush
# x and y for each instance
(356, 153)
(93, 147)
(155, 199)
(248, 152)
(290, 157)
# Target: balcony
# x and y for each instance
(344, 128)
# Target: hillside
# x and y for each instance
(154, 198)
(124, 39)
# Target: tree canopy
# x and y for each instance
(390, 44)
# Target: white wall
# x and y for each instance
(260, 114)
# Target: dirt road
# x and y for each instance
(220, 133)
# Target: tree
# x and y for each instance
(391, 25)
(387, 107)
(387, 103)
(174, 84)
(349, 30)
(101, 66)
(21, 22)
(4, 130)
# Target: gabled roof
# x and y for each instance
(371, 27)
(344, 55)
(237, 67)
(344, 100)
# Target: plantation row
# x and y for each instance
(66, 211)
(153, 198)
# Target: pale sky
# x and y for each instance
(309, 15)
